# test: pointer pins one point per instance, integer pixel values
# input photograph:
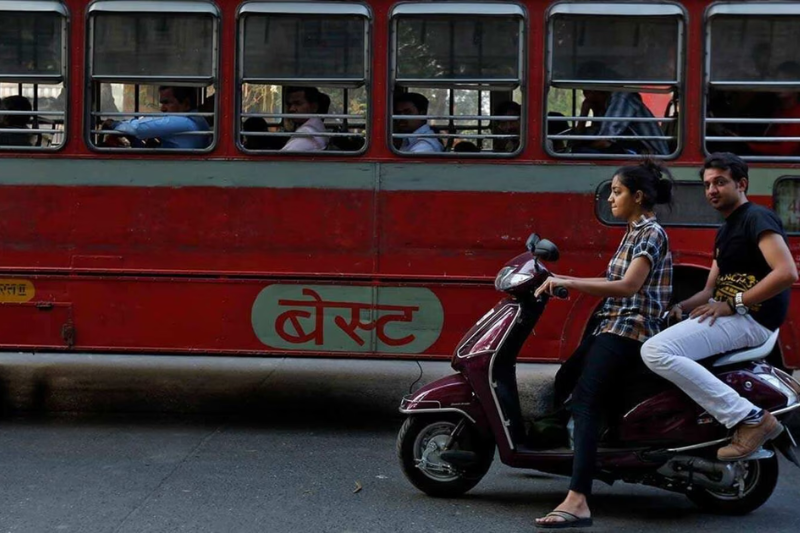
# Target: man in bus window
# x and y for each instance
(170, 131)
(414, 104)
(745, 299)
(621, 105)
(16, 122)
(306, 101)
(507, 127)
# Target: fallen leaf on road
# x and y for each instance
(358, 487)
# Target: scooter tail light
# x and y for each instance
(489, 337)
(777, 383)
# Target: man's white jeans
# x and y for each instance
(672, 354)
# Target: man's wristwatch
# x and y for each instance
(739, 304)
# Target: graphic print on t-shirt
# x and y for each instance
(729, 284)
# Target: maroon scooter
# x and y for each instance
(447, 443)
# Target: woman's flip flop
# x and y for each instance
(569, 520)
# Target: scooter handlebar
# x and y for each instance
(561, 292)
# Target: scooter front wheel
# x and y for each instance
(421, 441)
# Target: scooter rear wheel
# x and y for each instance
(420, 441)
(759, 479)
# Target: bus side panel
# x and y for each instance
(241, 316)
(190, 229)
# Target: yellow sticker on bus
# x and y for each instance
(16, 291)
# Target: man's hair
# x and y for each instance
(16, 103)
(311, 94)
(727, 161)
(507, 108)
(416, 99)
(182, 93)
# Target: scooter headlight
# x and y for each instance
(508, 278)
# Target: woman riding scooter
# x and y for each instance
(637, 290)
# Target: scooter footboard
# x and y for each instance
(451, 394)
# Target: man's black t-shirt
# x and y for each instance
(742, 265)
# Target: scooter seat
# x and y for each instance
(748, 354)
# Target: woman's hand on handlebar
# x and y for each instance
(551, 285)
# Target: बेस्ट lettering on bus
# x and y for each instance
(349, 326)
(342, 318)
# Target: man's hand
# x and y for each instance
(675, 314)
(713, 310)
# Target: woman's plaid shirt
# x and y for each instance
(639, 317)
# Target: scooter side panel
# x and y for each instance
(672, 417)
(449, 394)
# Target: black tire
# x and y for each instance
(418, 433)
(760, 481)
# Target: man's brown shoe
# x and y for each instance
(750, 437)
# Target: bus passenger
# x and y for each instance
(258, 142)
(746, 298)
(622, 105)
(414, 104)
(168, 130)
(306, 101)
(466, 147)
(507, 127)
(637, 288)
(16, 122)
(788, 107)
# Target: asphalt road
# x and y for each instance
(282, 472)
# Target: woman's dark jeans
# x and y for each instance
(597, 369)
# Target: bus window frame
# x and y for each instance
(349, 8)
(134, 7)
(665, 9)
(460, 8)
(739, 9)
(60, 8)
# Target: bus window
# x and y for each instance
(613, 79)
(32, 74)
(786, 203)
(153, 70)
(457, 79)
(753, 80)
(689, 207)
(304, 77)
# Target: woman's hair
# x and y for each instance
(652, 178)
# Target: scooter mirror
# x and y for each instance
(546, 250)
(532, 241)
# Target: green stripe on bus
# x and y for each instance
(478, 177)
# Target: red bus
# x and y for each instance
(231, 244)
